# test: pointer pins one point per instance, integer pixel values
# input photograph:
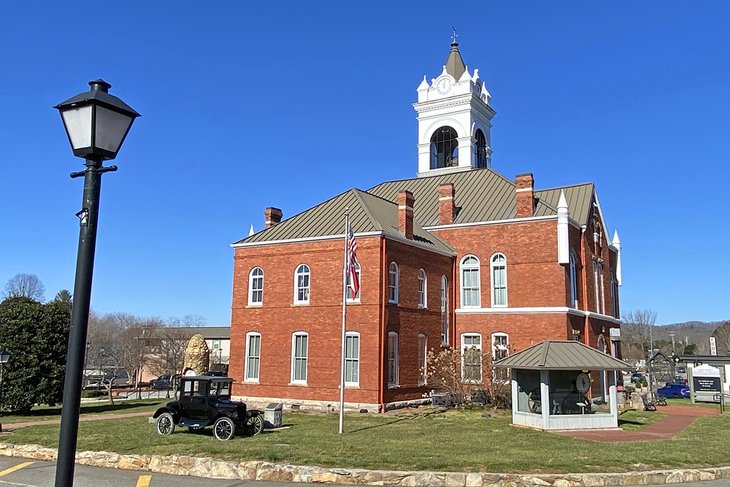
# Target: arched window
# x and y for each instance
(301, 284)
(499, 280)
(422, 289)
(392, 359)
(444, 148)
(573, 283)
(480, 149)
(470, 282)
(444, 310)
(256, 287)
(350, 297)
(393, 283)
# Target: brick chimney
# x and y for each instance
(405, 202)
(447, 209)
(272, 216)
(525, 195)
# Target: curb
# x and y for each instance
(257, 470)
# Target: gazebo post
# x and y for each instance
(545, 396)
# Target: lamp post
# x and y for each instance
(96, 124)
(4, 357)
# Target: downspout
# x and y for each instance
(381, 328)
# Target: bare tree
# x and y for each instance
(25, 286)
(637, 330)
(167, 352)
(722, 338)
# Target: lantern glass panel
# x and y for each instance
(111, 127)
(78, 126)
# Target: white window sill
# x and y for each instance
(250, 381)
(297, 383)
(255, 305)
(301, 303)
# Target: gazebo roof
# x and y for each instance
(561, 355)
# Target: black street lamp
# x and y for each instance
(96, 124)
(4, 357)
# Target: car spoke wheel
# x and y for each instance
(254, 425)
(165, 424)
(223, 428)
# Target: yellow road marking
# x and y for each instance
(13, 469)
(144, 480)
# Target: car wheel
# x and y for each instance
(223, 428)
(254, 425)
(165, 424)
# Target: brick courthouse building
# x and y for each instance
(459, 256)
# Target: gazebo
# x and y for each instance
(553, 386)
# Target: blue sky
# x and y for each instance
(246, 105)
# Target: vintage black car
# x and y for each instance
(206, 401)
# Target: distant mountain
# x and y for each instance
(690, 332)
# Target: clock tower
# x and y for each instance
(454, 119)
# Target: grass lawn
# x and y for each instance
(423, 439)
(41, 413)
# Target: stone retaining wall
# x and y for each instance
(254, 470)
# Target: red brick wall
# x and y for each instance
(279, 318)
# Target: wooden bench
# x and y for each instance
(649, 405)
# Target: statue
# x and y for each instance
(197, 356)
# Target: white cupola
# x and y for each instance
(454, 119)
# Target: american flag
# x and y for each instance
(352, 263)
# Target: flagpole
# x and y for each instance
(344, 321)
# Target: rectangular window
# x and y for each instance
(422, 359)
(253, 357)
(299, 358)
(352, 359)
(595, 286)
(392, 359)
(500, 350)
(471, 357)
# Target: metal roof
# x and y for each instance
(561, 355)
(368, 214)
(454, 63)
(483, 195)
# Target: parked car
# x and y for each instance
(673, 390)
(216, 373)
(163, 382)
(637, 378)
(206, 401)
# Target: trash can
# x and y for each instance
(273, 415)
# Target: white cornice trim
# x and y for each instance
(500, 222)
(536, 310)
(299, 240)
(341, 237)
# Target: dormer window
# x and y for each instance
(444, 148)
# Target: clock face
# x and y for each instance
(443, 85)
(583, 382)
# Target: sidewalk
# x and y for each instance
(677, 419)
(84, 417)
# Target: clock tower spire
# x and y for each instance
(454, 119)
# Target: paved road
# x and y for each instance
(20, 472)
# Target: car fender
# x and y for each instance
(167, 409)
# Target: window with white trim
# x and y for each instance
(253, 357)
(393, 283)
(352, 359)
(573, 283)
(422, 288)
(500, 350)
(596, 293)
(471, 357)
(470, 282)
(299, 356)
(422, 358)
(392, 359)
(499, 280)
(301, 284)
(356, 298)
(256, 287)
(602, 302)
(444, 310)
